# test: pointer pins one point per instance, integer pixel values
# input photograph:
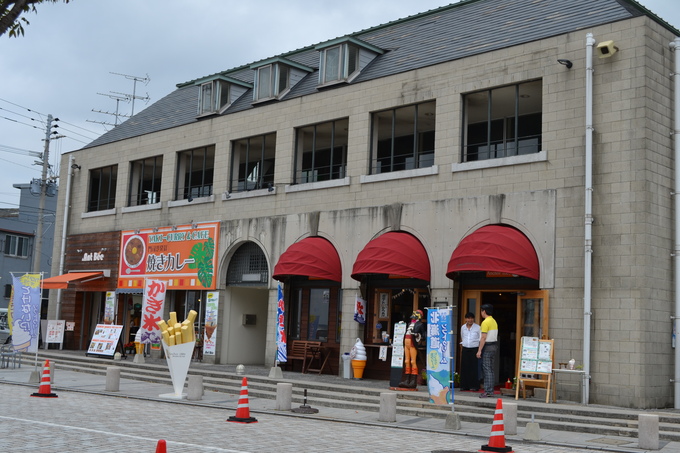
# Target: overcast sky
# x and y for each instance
(69, 52)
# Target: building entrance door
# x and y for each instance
(518, 314)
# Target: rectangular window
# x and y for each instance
(265, 82)
(503, 122)
(338, 63)
(252, 163)
(16, 245)
(403, 138)
(102, 188)
(271, 81)
(319, 304)
(145, 181)
(321, 151)
(195, 172)
(8, 294)
(213, 97)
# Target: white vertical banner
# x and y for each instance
(25, 312)
(211, 306)
(152, 311)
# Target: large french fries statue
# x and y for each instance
(178, 343)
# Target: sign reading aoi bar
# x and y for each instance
(185, 256)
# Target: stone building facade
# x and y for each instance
(524, 169)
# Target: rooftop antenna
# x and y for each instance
(125, 98)
(134, 96)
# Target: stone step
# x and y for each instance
(572, 418)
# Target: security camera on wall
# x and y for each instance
(606, 49)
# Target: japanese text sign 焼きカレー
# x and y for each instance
(185, 256)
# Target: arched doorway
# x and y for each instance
(394, 271)
(311, 272)
(243, 313)
(498, 265)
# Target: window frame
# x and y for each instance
(503, 133)
(14, 242)
(262, 181)
(138, 181)
(102, 203)
(301, 151)
(347, 63)
(184, 174)
(420, 138)
(217, 99)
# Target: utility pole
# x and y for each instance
(37, 249)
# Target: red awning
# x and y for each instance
(62, 281)
(495, 248)
(311, 257)
(393, 253)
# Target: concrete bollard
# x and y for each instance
(284, 396)
(388, 407)
(510, 418)
(648, 431)
(195, 390)
(112, 379)
(53, 368)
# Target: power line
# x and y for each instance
(86, 130)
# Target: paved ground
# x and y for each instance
(86, 418)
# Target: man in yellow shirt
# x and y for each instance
(488, 346)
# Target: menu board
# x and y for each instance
(536, 355)
(55, 331)
(105, 339)
(398, 345)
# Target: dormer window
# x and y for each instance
(342, 59)
(275, 77)
(214, 96)
(218, 93)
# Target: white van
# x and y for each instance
(4, 325)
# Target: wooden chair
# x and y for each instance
(300, 350)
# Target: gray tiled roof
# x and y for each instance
(444, 34)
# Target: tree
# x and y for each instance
(10, 12)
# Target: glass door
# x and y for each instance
(532, 315)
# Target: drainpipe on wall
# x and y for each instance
(64, 230)
(588, 242)
(675, 46)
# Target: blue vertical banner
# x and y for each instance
(26, 312)
(281, 352)
(439, 355)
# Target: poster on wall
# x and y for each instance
(185, 256)
(25, 312)
(110, 307)
(105, 339)
(152, 312)
(439, 355)
(211, 306)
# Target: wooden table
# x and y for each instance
(321, 355)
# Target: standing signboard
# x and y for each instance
(397, 365)
(55, 332)
(535, 365)
(105, 339)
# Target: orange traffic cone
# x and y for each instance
(497, 440)
(243, 411)
(160, 448)
(45, 389)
